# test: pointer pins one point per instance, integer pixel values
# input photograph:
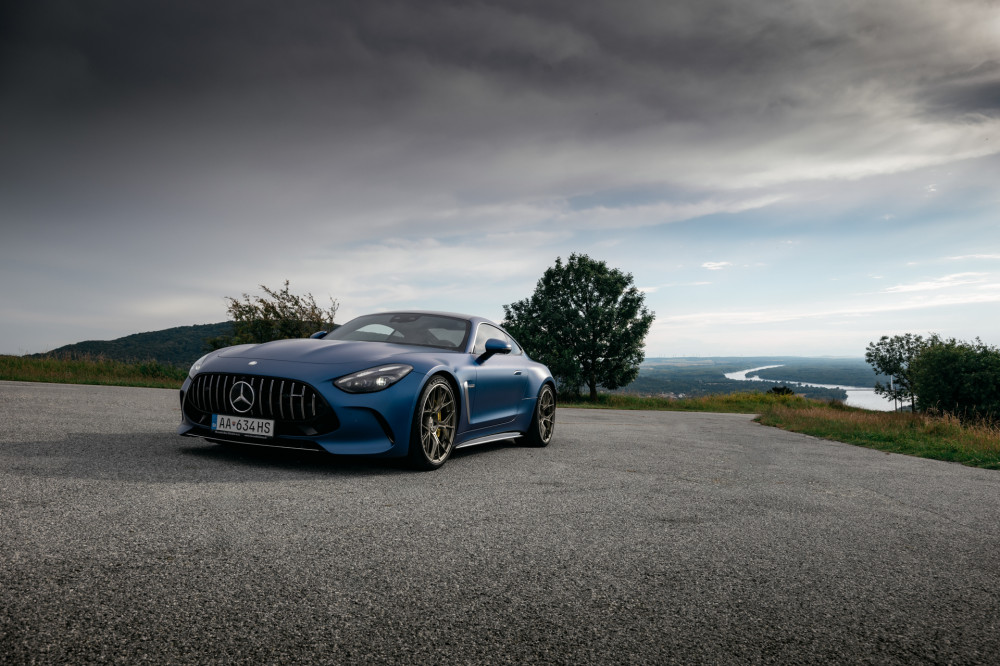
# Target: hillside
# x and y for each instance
(179, 346)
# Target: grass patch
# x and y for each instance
(91, 370)
(939, 437)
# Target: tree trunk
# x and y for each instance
(593, 390)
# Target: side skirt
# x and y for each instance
(500, 436)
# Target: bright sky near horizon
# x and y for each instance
(791, 177)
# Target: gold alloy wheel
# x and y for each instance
(438, 418)
(546, 414)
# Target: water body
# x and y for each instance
(857, 396)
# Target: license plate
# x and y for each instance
(241, 425)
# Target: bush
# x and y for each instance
(278, 315)
(959, 378)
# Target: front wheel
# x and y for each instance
(543, 423)
(432, 436)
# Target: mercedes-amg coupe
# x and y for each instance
(413, 384)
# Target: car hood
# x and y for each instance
(326, 351)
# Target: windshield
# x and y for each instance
(403, 328)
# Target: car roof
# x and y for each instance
(454, 315)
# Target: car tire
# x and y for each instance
(432, 437)
(543, 422)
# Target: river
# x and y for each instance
(857, 396)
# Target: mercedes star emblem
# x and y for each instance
(241, 397)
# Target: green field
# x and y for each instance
(91, 370)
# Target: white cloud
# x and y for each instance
(740, 317)
(716, 265)
(622, 217)
(969, 257)
(946, 282)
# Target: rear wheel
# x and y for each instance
(432, 437)
(543, 423)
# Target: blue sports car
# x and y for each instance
(414, 384)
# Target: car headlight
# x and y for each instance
(372, 379)
(197, 366)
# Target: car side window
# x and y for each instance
(486, 332)
(515, 349)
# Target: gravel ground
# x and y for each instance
(636, 537)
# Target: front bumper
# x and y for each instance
(324, 418)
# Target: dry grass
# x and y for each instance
(941, 437)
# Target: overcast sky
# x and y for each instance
(779, 176)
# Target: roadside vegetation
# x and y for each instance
(278, 315)
(937, 436)
(938, 374)
(91, 370)
(926, 435)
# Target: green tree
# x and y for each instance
(962, 378)
(586, 321)
(278, 315)
(892, 357)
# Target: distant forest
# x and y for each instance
(180, 346)
(183, 345)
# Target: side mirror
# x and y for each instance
(317, 335)
(494, 346)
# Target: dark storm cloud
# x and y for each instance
(668, 56)
(664, 60)
(324, 99)
(280, 75)
(380, 137)
(976, 90)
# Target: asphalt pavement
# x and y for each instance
(635, 537)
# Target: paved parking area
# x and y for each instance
(636, 537)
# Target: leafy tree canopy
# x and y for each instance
(277, 315)
(586, 321)
(892, 357)
(962, 378)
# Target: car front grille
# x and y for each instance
(296, 407)
(273, 398)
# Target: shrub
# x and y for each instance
(960, 378)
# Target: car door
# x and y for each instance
(501, 381)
